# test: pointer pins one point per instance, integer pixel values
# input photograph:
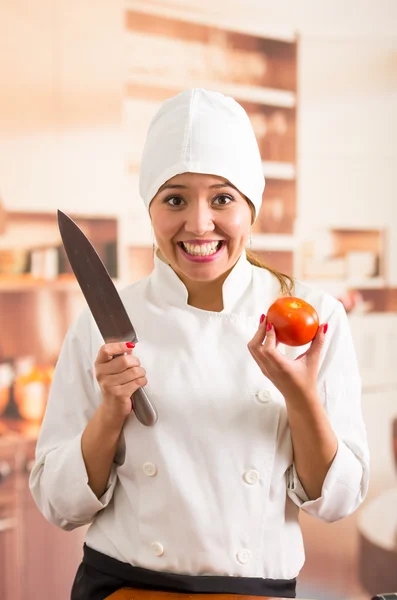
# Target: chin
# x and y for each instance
(199, 270)
(203, 272)
(204, 277)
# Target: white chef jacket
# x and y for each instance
(211, 489)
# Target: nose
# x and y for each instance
(199, 218)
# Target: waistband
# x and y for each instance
(191, 584)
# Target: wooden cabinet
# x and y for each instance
(341, 258)
(169, 51)
(377, 520)
(380, 411)
(44, 544)
(39, 295)
(375, 340)
(11, 526)
(37, 559)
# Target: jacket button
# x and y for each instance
(149, 469)
(243, 556)
(157, 549)
(263, 396)
(251, 477)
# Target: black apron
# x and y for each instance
(99, 575)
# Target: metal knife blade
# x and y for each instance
(103, 300)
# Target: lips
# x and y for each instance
(199, 242)
(203, 249)
(203, 252)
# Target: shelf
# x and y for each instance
(27, 283)
(150, 7)
(172, 47)
(279, 170)
(32, 255)
(366, 284)
(282, 243)
(271, 170)
(274, 242)
(38, 212)
(246, 93)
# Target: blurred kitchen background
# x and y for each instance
(80, 81)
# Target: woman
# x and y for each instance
(249, 431)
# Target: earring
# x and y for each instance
(153, 241)
(250, 239)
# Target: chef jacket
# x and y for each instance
(212, 488)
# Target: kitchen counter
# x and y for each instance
(134, 594)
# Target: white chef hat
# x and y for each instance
(200, 131)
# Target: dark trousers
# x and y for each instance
(99, 575)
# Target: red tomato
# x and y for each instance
(295, 321)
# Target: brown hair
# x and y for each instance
(286, 282)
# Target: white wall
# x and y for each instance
(60, 104)
(354, 17)
(347, 104)
(348, 127)
(61, 139)
(347, 135)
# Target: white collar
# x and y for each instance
(171, 290)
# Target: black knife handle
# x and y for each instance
(385, 597)
(144, 410)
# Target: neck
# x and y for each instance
(209, 295)
(205, 295)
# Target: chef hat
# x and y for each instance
(199, 131)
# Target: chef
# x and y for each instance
(249, 431)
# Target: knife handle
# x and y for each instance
(144, 410)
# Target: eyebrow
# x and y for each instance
(185, 187)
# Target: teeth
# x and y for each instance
(203, 250)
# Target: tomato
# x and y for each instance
(295, 321)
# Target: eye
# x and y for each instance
(223, 199)
(173, 201)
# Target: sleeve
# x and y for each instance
(346, 483)
(59, 480)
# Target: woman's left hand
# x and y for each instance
(291, 377)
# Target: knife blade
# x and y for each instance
(103, 300)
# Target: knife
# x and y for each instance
(103, 300)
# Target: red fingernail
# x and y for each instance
(263, 317)
(269, 326)
(325, 328)
(130, 345)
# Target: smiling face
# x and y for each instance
(201, 224)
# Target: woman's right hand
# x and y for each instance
(119, 375)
